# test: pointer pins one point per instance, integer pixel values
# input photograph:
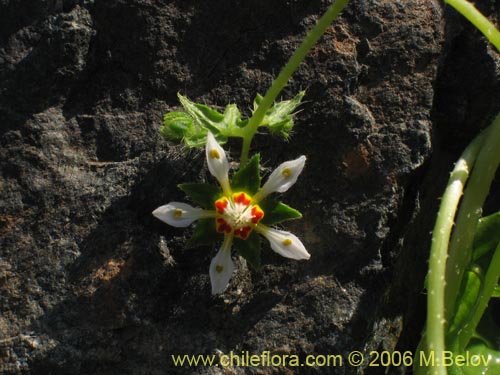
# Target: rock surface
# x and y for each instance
(91, 283)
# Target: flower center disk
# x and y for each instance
(237, 215)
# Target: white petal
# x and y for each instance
(217, 162)
(179, 214)
(282, 178)
(222, 267)
(284, 243)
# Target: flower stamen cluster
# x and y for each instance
(237, 215)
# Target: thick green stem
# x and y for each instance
(477, 19)
(282, 79)
(245, 149)
(435, 330)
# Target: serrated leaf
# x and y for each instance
(205, 118)
(275, 212)
(279, 118)
(248, 178)
(487, 235)
(204, 234)
(249, 249)
(203, 194)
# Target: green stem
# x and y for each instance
(245, 149)
(460, 253)
(435, 331)
(477, 19)
(290, 67)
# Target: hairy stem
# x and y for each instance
(290, 67)
(460, 253)
(436, 323)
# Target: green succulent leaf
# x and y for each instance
(247, 178)
(496, 292)
(488, 359)
(203, 194)
(466, 304)
(279, 118)
(249, 249)
(275, 212)
(487, 235)
(204, 234)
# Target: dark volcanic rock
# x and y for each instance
(91, 283)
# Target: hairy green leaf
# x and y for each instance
(279, 118)
(177, 125)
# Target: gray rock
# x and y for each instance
(91, 283)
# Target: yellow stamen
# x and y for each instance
(287, 242)
(214, 154)
(219, 268)
(287, 172)
(177, 213)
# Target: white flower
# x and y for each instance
(284, 243)
(222, 267)
(282, 178)
(180, 215)
(217, 163)
(238, 214)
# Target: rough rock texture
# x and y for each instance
(91, 283)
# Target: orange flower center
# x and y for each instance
(237, 215)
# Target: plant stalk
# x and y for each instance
(477, 19)
(298, 56)
(436, 323)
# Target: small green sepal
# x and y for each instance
(249, 249)
(203, 194)
(204, 234)
(248, 178)
(276, 212)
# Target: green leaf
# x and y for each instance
(248, 178)
(496, 292)
(203, 194)
(279, 118)
(204, 234)
(466, 304)
(487, 235)
(249, 249)
(489, 359)
(275, 212)
(176, 125)
(205, 118)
